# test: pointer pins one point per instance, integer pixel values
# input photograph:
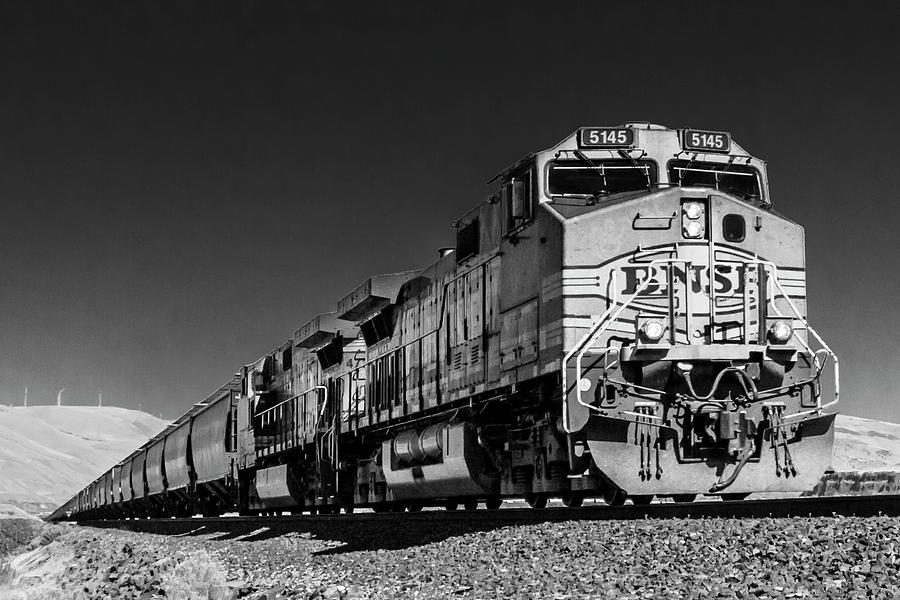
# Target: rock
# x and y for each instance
(224, 592)
(677, 558)
(334, 591)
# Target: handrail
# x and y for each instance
(291, 399)
(446, 286)
(582, 347)
(440, 325)
(601, 325)
(436, 330)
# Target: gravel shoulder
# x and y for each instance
(677, 558)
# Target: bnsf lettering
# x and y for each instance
(728, 280)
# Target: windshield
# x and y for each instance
(599, 177)
(740, 180)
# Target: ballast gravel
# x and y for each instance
(651, 558)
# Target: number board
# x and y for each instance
(605, 137)
(708, 141)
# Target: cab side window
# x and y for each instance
(516, 196)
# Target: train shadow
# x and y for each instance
(396, 531)
(342, 533)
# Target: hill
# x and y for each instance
(866, 445)
(47, 453)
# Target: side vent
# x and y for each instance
(475, 352)
(467, 241)
(331, 353)
(378, 327)
(457, 359)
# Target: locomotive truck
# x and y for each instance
(623, 317)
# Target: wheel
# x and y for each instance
(470, 504)
(614, 496)
(684, 498)
(735, 497)
(451, 505)
(573, 499)
(493, 502)
(381, 507)
(642, 500)
(415, 506)
(348, 508)
(397, 507)
(537, 500)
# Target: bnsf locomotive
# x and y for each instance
(625, 317)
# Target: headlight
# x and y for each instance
(693, 220)
(652, 331)
(693, 210)
(693, 229)
(781, 331)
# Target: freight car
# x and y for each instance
(624, 317)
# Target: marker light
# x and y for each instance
(781, 331)
(693, 210)
(693, 229)
(653, 331)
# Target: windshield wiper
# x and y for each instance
(594, 167)
(635, 164)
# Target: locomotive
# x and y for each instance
(623, 318)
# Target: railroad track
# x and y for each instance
(860, 506)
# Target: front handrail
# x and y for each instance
(597, 329)
(583, 346)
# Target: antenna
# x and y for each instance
(59, 397)
(25, 403)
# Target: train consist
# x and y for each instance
(625, 317)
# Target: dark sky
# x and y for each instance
(183, 184)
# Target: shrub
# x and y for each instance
(193, 577)
(6, 573)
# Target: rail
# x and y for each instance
(875, 505)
